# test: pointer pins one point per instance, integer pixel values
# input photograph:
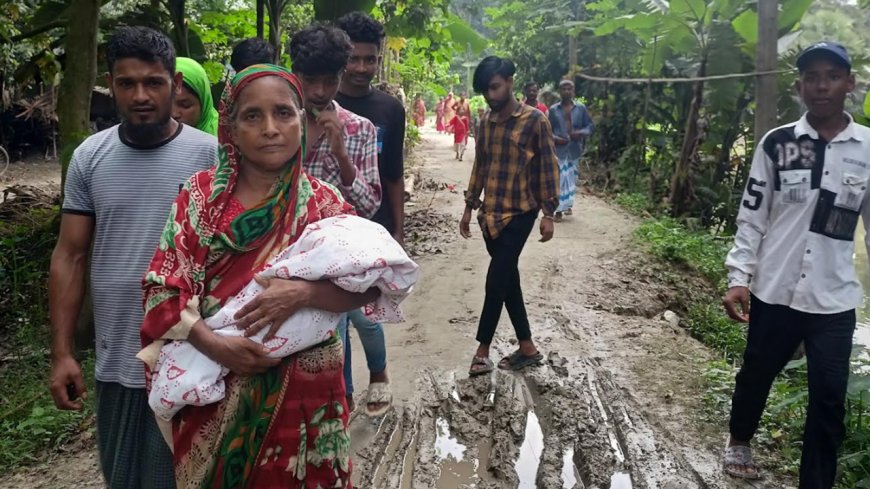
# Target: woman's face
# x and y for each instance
(267, 126)
(187, 107)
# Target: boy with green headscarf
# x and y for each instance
(194, 105)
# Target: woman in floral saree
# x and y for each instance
(283, 422)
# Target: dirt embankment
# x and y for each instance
(613, 406)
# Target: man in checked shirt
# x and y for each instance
(342, 149)
(515, 166)
(791, 271)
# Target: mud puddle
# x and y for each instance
(552, 428)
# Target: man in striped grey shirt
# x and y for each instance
(120, 185)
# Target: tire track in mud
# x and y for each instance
(564, 424)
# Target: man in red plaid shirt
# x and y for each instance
(342, 146)
(342, 149)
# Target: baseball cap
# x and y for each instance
(832, 50)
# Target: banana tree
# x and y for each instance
(700, 31)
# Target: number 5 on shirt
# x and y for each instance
(754, 192)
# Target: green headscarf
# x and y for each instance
(197, 80)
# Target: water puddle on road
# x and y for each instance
(456, 469)
(620, 480)
(527, 463)
(570, 474)
(447, 446)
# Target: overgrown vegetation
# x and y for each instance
(781, 429)
(29, 422)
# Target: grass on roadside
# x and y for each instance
(29, 422)
(781, 429)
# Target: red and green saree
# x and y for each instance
(286, 428)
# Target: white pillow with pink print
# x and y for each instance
(354, 253)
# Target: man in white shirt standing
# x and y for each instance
(792, 263)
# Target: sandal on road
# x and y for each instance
(740, 464)
(379, 394)
(518, 361)
(480, 366)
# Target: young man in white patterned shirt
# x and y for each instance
(792, 267)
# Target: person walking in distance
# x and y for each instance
(530, 90)
(357, 95)
(571, 126)
(791, 274)
(119, 189)
(459, 125)
(515, 166)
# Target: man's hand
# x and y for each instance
(65, 370)
(546, 229)
(465, 224)
(241, 355)
(737, 296)
(334, 130)
(281, 299)
(560, 141)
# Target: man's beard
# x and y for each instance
(497, 105)
(150, 132)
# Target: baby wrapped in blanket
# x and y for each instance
(352, 252)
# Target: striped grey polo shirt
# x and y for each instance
(129, 189)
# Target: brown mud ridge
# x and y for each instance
(564, 424)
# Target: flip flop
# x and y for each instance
(485, 366)
(518, 361)
(740, 456)
(378, 393)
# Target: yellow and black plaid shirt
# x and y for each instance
(515, 165)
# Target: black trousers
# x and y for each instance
(503, 279)
(774, 334)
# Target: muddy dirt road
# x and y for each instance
(613, 406)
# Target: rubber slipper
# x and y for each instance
(518, 361)
(378, 393)
(740, 456)
(485, 366)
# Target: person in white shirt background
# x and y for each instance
(791, 271)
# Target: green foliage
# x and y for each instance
(696, 250)
(635, 202)
(412, 136)
(782, 423)
(29, 422)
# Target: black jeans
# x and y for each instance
(503, 279)
(774, 334)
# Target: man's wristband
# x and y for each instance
(548, 217)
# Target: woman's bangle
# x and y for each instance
(548, 217)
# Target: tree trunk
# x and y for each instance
(176, 13)
(276, 8)
(682, 194)
(261, 18)
(79, 73)
(765, 60)
(74, 108)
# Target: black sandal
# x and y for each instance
(518, 361)
(484, 365)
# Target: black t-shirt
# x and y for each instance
(388, 116)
